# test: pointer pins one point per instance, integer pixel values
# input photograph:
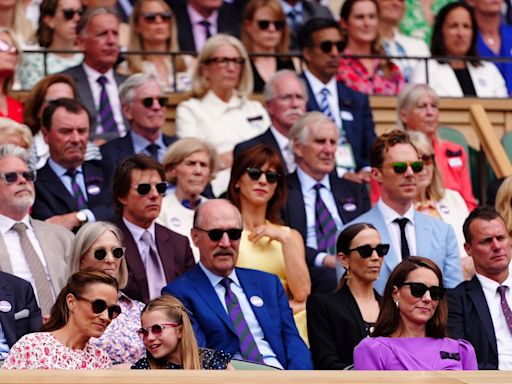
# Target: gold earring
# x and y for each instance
(397, 304)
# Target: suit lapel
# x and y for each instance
(296, 209)
(345, 296)
(164, 247)
(49, 180)
(84, 90)
(391, 257)
(423, 231)
(5, 261)
(42, 235)
(7, 318)
(311, 105)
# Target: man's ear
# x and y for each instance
(376, 175)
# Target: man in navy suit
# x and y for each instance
(19, 313)
(208, 290)
(476, 308)
(285, 100)
(314, 141)
(69, 190)
(320, 41)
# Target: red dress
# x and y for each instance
(14, 110)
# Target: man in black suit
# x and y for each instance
(155, 255)
(320, 42)
(478, 309)
(19, 313)
(96, 81)
(285, 100)
(319, 202)
(143, 102)
(69, 190)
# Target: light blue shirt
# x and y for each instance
(140, 144)
(297, 8)
(4, 347)
(269, 357)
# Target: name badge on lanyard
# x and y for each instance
(344, 153)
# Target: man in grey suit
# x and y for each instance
(30, 249)
(96, 81)
(395, 163)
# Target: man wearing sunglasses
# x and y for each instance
(69, 190)
(33, 250)
(395, 163)
(321, 43)
(479, 309)
(155, 255)
(240, 311)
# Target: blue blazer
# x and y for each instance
(214, 328)
(434, 239)
(24, 315)
(359, 129)
(469, 319)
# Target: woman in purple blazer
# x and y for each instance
(410, 333)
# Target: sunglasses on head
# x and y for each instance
(326, 46)
(428, 159)
(264, 24)
(155, 329)
(255, 174)
(418, 290)
(144, 188)
(149, 101)
(99, 305)
(6, 47)
(101, 253)
(69, 13)
(12, 177)
(365, 251)
(151, 16)
(401, 166)
(217, 233)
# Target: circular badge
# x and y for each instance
(256, 301)
(5, 306)
(349, 207)
(444, 209)
(175, 221)
(93, 189)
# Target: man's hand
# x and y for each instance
(68, 220)
(329, 261)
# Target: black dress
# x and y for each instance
(210, 359)
(259, 83)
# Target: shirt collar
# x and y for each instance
(137, 231)
(196, 18)
(307, 182)
(287, 7)
(216, 279)
(59, 169)
(491, 286)
(6, 223)
(140, 143)
(317, 85)
(218, 107)
(92, 74)
(390, 214)
(281, 139)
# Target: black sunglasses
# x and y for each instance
(264, 24)
(418, 290)
(99, 306)
(69, 13)
(149, 101)
(144, 188)
(255, 174)
(326, 46)
(217, 233)
(365, 251)
(156, 329)
(101, 253)
(12, 177)
(151, 16)
(224, 61)
(401, 166)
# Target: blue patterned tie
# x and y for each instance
(153, 150)
(324, 104)
(248, 347)
(76, 191)
(504, 306)
(106, 116)
(325, 226)
(206, 25)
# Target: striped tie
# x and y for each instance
(325, 227)
(76, 191)
(105, 110)
(504, 306)
(324, 104)
(248, 347)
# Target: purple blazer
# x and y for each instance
(414, 354)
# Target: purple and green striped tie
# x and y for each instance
(325, 226)
(76, 191)
(248, 347)
(105, 113)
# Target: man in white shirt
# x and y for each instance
(479, 309)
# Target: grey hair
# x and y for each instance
(85, 19)
(269, 92)
(301, 130)
(130, 85)
(11, 150)
(11, 127)
(85, 239)
(408, 99)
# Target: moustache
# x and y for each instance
(224, 252)
(294, 112)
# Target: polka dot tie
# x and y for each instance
(504, 305)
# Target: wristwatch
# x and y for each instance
(81, 217)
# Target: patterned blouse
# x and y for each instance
(414, 22)
(120, 339)
(354, 74)
(41, 350)
(210, 359)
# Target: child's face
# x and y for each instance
(165, 345)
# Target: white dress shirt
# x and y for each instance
(286, 151)
(198, 30)
(317, 86)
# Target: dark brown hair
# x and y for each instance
(485, 212)
(385, 141)
(44, 33)
(70, 105)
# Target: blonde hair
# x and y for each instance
(176, 312)
(504, 202)
(22, 26)
(9, 127)
(13, 35)
(200, 85)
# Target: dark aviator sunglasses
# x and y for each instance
(151, 17)
(69, 13)
(148, 102)
(144, 188)
(265, 24)
(12, 177)
(327, 45)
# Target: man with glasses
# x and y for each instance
(30, 249)
(321, 43)
(395, 163)
(69, 190)
(155, 255)
(240, 311)
(319, 202)
(285, 100)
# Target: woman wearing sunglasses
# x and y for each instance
(169, 338)
(410, 333)
(338, 321)
(258, 189)
(359, 21)
(83, 310)
(97, 246)
(265, 30)
(57, 31)
(9, 58)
